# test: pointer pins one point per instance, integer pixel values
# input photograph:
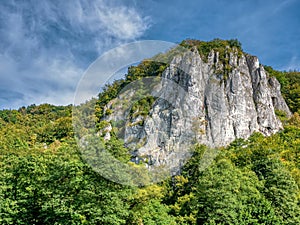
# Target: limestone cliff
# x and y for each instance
(206, 101)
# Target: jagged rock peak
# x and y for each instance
(222, 95)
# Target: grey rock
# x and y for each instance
(198, 103)
(277, 99)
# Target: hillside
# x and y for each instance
(252, 178)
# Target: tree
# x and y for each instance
(280, 188)
(227, 195)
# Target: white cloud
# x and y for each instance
(44, 81)
(46, 45)
(123, 23)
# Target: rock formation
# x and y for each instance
(204, 101)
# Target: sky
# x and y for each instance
(45, 46)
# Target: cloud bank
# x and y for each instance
(45, 46)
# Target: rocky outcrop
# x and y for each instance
(208, 102)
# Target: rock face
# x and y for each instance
(199, 102)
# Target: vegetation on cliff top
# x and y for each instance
(218, 45)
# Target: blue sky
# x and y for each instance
(45, 46)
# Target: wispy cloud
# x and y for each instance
(46, 45)
(294, 64)
(132, 24)
(282, 5)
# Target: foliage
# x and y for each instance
(117, 149)
(44, 180)
(218, 45)
(222, 47)
(142, 107)
(54, 187)
(228, 195)
(147, 68)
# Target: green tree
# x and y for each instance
(227, 195)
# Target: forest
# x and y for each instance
(44, 180)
